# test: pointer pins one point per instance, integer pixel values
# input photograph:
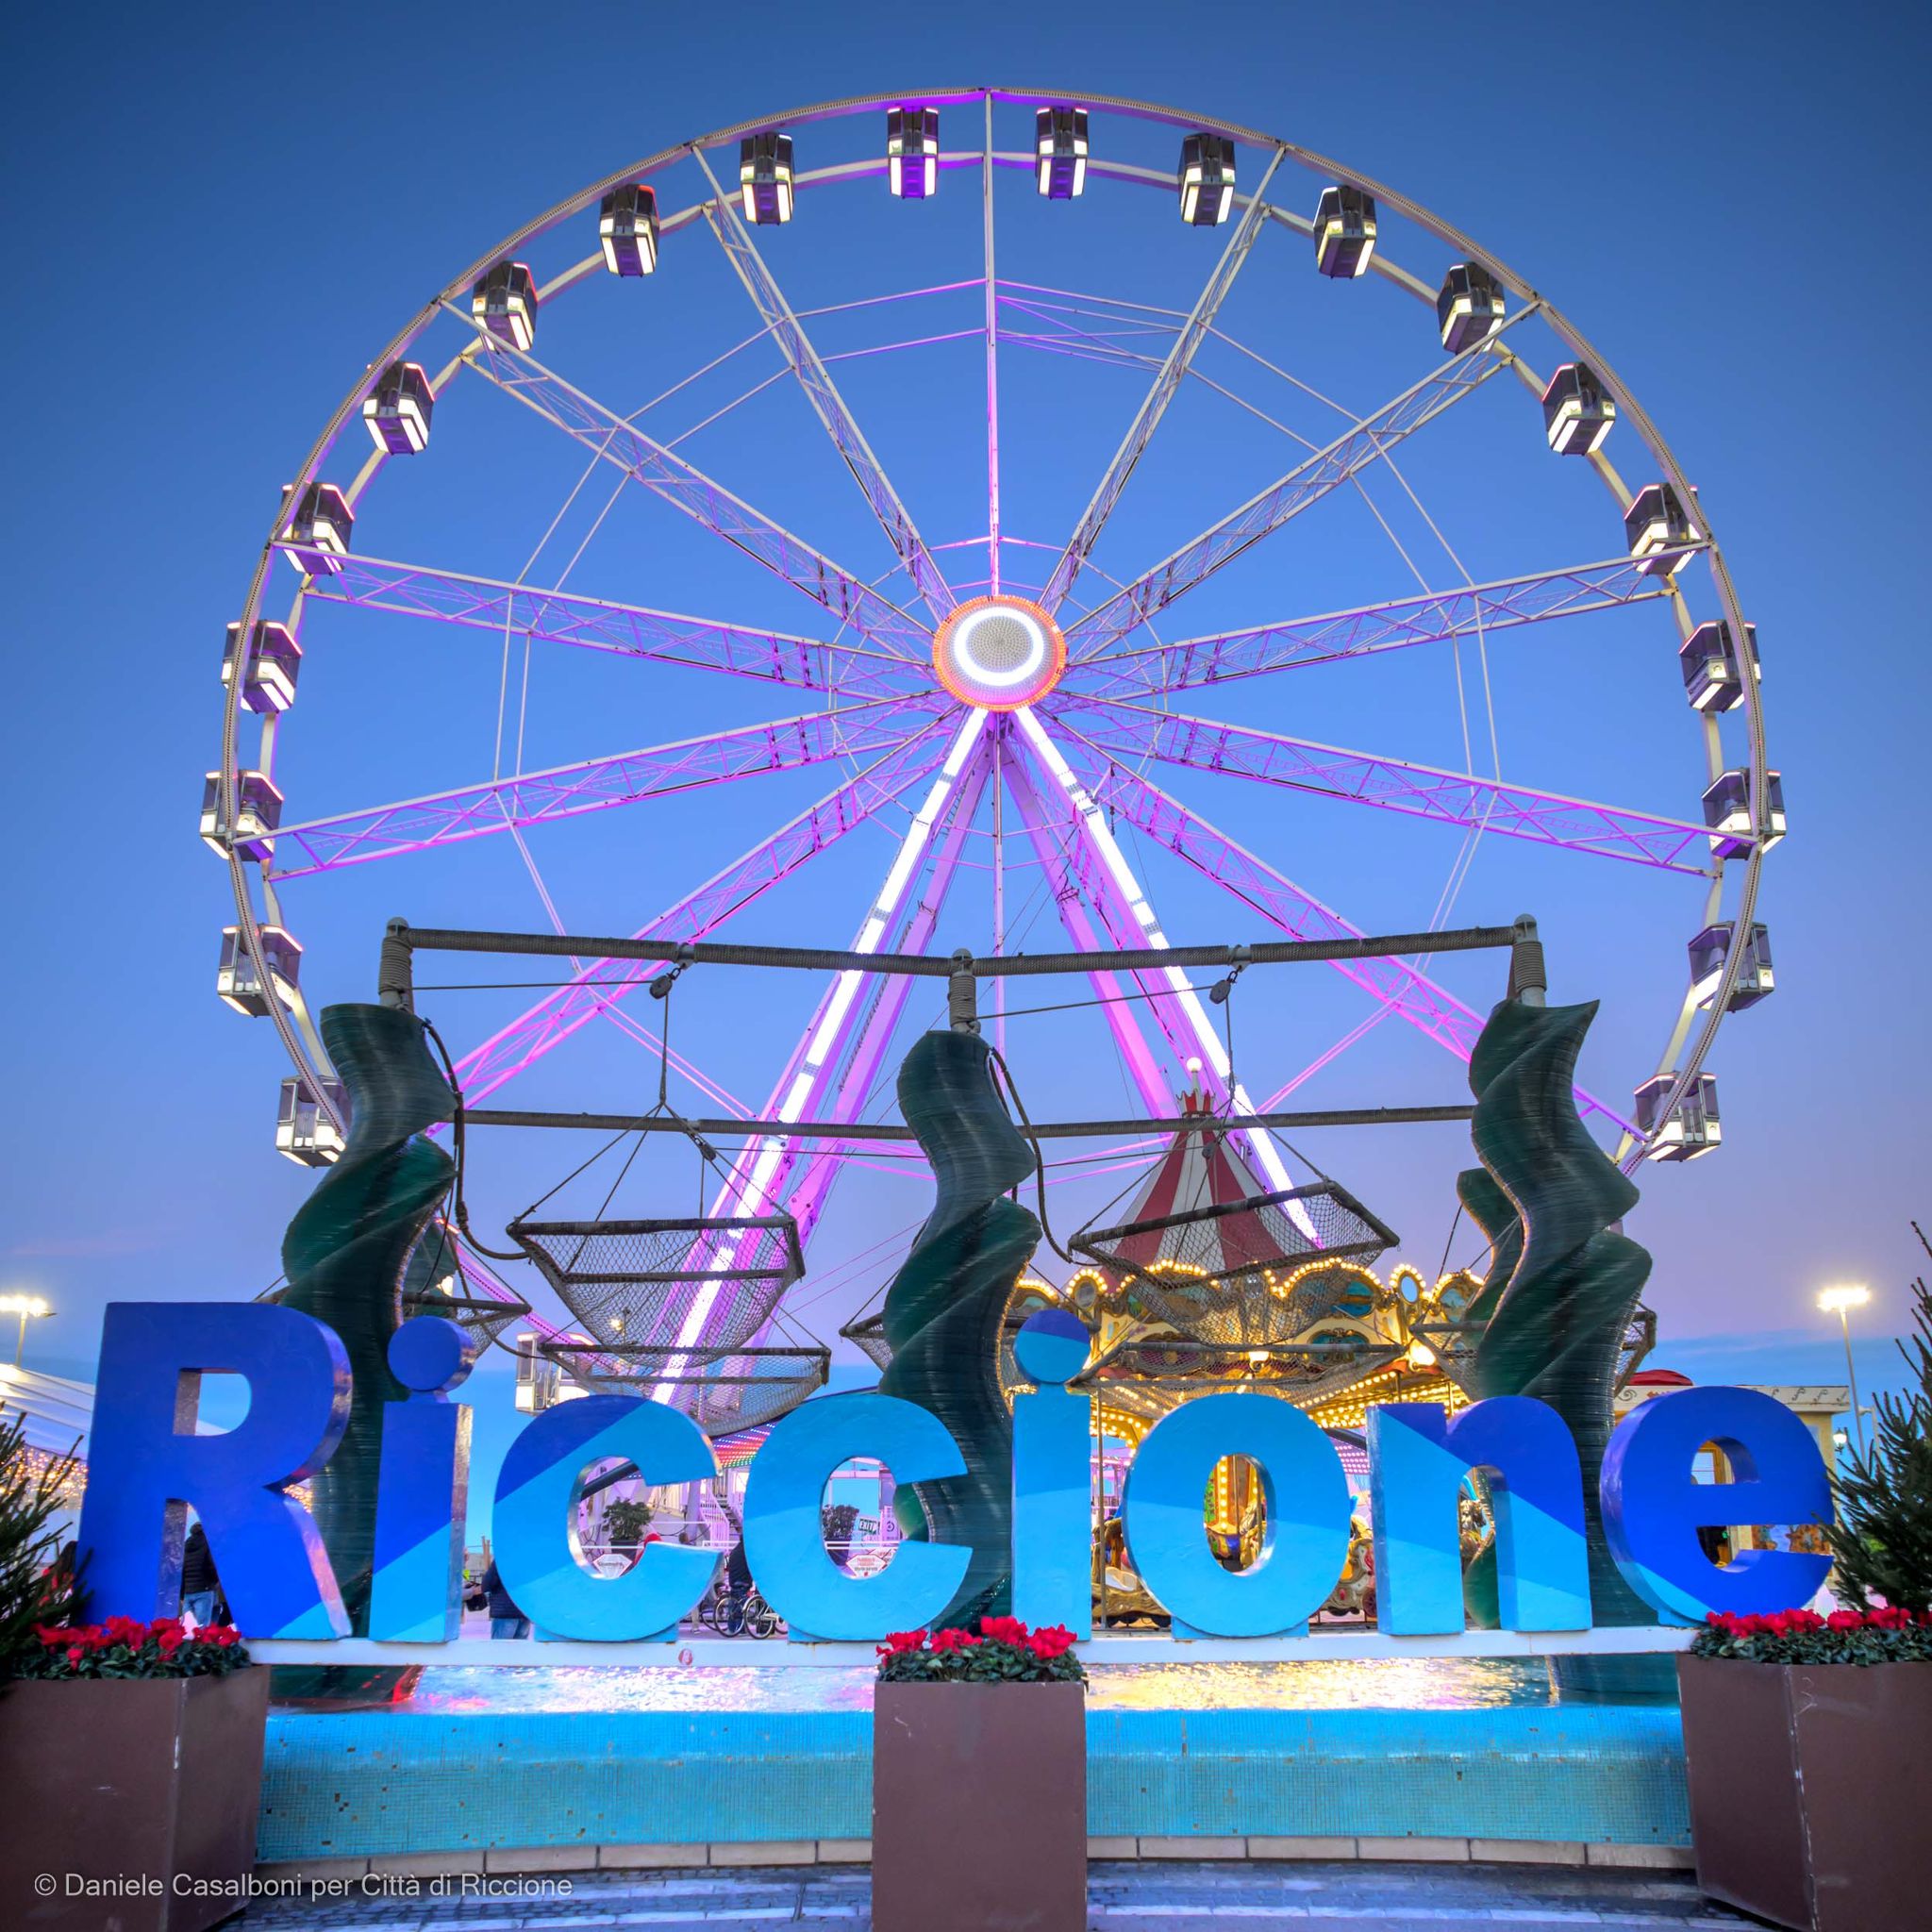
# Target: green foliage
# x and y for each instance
(835, 1521)
(1883, 1536)
(626, 1521)
(127, 1647)
(31, 1592)
(1000, 1651)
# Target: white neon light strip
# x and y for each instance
(771, 1151)
(1094, 820)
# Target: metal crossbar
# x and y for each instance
(944, 965)
(880, 1130)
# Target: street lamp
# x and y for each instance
(1841, 1301)
(29, 1307)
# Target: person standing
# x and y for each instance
(506, 1619)
(200, 1582)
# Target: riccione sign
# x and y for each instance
(147, 1468)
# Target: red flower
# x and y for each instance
(1002, 1629)
(1890, 1616)
(1056, 1640)
(168, 1642)
(943, 1640)
(222, 1634)
(75, 1654)
(896, 1644)
(1846, 1619)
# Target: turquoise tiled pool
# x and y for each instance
(498, 1758)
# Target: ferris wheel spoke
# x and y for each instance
(770, 1167)
(1126, 911)
(535, 798)
(597, 623)
(686, 488)
(1307, 484)
(1167, 381)
(859, 1013)
(860, 799)
(1455, 798)
(823, 393)
(1054, 848)
(1408, 994)
(1432, 618)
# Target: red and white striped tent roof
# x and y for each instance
(1202, 1168)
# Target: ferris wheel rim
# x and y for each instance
(1696, 1030)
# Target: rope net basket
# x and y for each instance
(642, 1283)
(721, 1388)
(1236, 1271)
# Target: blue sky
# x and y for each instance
(217, 215)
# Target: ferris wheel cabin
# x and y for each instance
(1059, 152)
(238, 983)
(764, 179)
(912, 152)
(1577, 414)
(627, 230)
(396, 411)
(320, 529)
(269, 666)
(1709, 952)
(505, 301)
(1713, 680)
(1345, 233)
(1727, 812)
(1206, 179)
(1470, 308)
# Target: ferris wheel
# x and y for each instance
(996, 695)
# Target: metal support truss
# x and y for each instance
(756, 1183)
(876, 1014)
(534, 798)
(1123, 908)
(1391, 982)
(688, 489)
(1054, 851)
(1167, 381)
(823, 394)
(1306, 484)
(1432, 618)
(595, 624)
(593, 989)
(1454, 798)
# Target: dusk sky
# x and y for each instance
(218, 214)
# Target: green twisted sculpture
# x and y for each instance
(1563, 1282)
(346, 1250)
(944, 1312)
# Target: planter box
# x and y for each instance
(979, 1807)
(137, 1781)
(1807, 1792)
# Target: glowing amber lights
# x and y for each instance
(999, 653)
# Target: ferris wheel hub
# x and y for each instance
(999, 653)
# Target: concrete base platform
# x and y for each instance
(1142, 1897)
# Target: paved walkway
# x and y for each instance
(1121, 1898)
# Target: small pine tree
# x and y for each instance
(32, 1588)
(1883, 1536)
